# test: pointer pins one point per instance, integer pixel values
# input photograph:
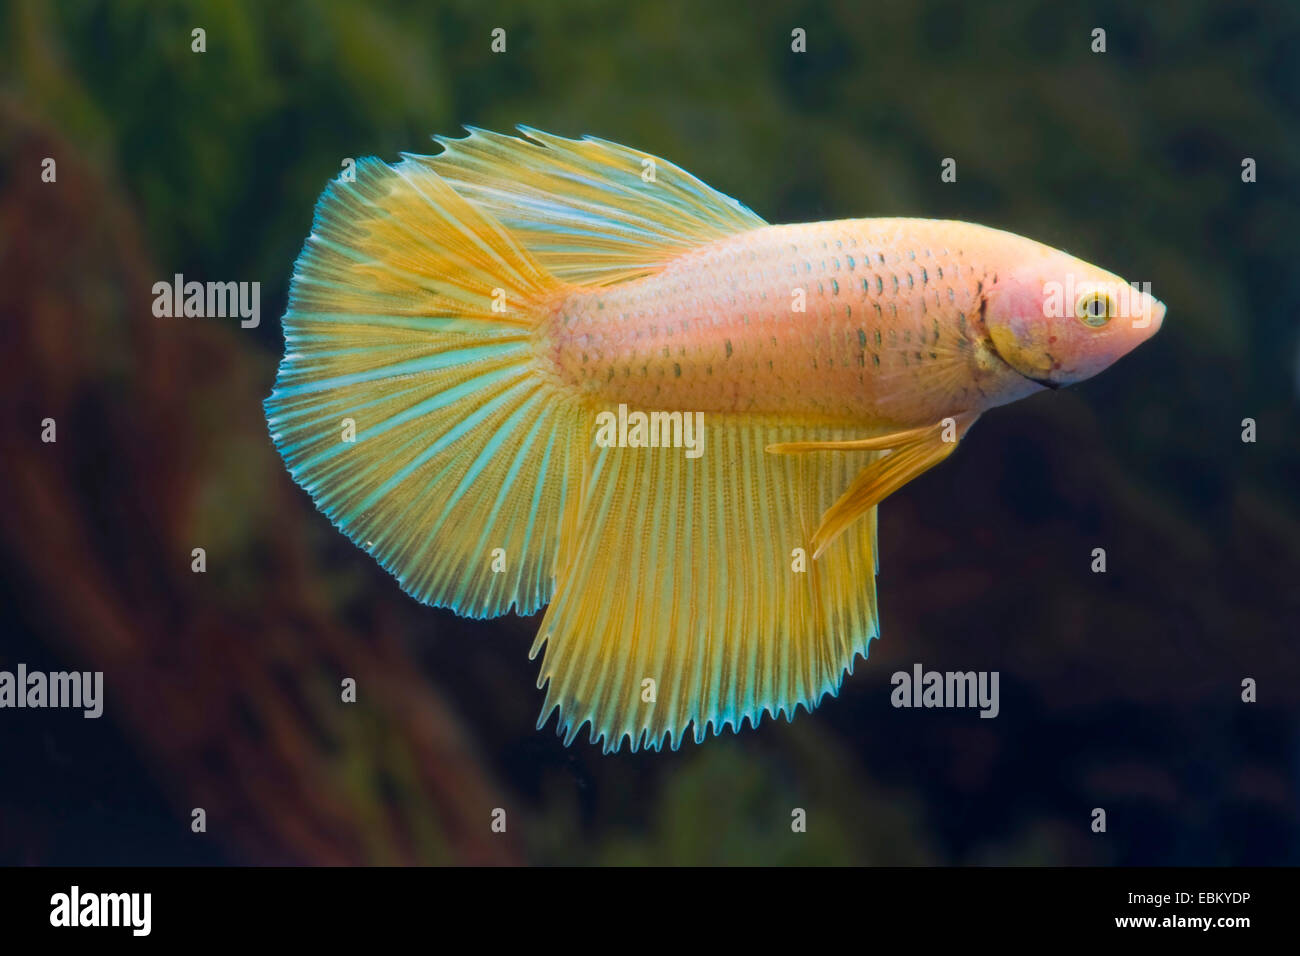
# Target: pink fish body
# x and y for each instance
(875, 322)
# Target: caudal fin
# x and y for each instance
(407, 403)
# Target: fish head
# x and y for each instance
(1058, 320)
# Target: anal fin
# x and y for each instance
(683, 597)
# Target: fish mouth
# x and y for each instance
(1045, 382)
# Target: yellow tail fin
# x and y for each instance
(408, 404)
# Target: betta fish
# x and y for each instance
(464, 329)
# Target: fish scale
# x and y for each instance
(887, 338)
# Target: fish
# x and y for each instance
(463, 327)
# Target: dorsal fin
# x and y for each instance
(591, 211)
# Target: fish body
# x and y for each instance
(478, 314)
(871, 322)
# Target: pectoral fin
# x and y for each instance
(912, 452)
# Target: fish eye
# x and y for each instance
(1095, 309)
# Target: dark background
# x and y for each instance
(1119, 691)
